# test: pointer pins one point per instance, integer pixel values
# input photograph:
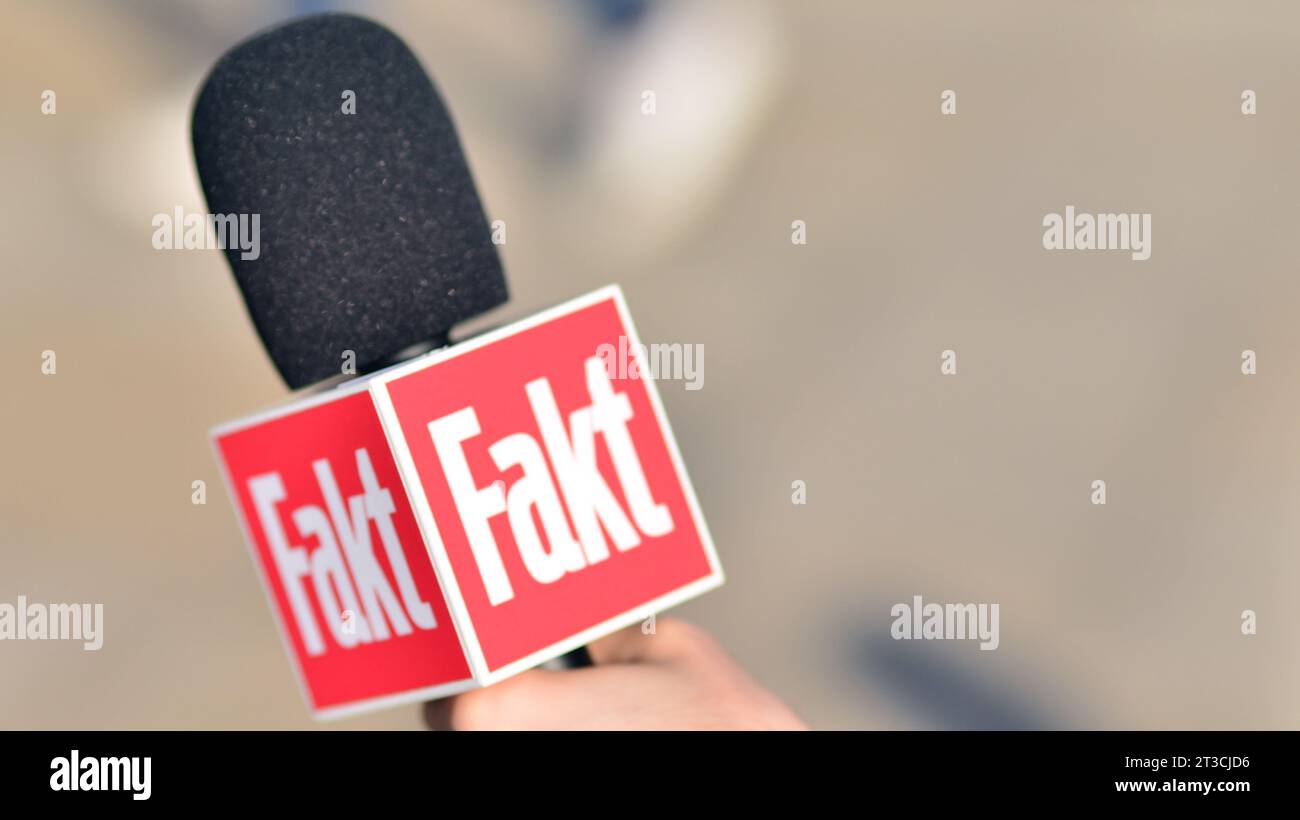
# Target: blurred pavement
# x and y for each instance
(821, 360)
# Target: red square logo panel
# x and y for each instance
(548, 482)
(340, 553)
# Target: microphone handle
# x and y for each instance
(575, 659)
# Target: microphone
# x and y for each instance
(375, 240)
(373, 236)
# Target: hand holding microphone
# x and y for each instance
(678, 678)
(449, 522)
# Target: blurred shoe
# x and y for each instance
(677, 93)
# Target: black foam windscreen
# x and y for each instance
(372, 236)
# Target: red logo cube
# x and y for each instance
(550, 507)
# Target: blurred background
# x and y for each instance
(821, 360)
